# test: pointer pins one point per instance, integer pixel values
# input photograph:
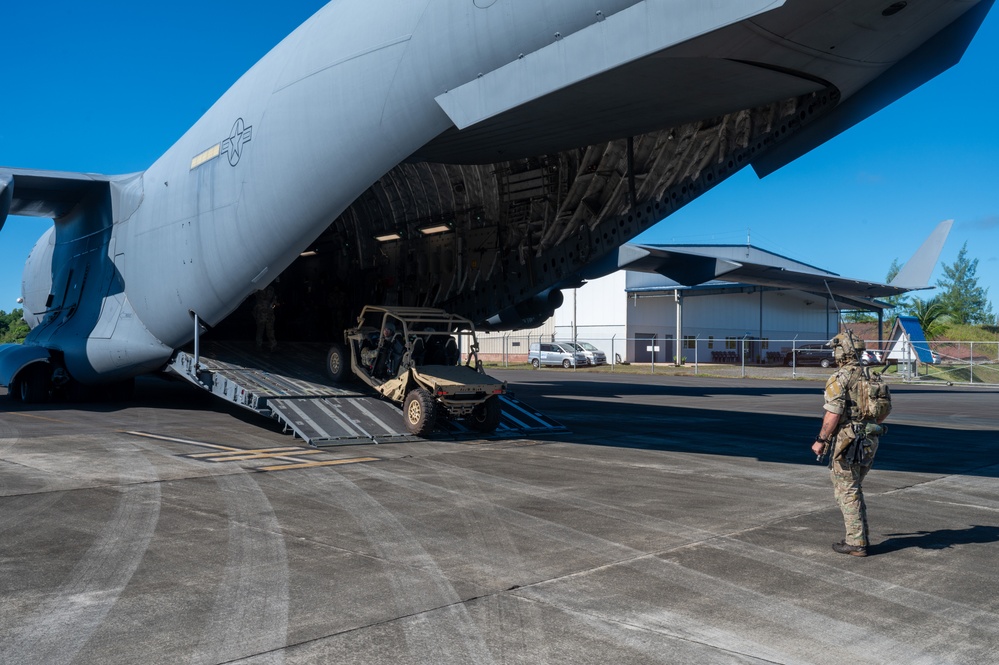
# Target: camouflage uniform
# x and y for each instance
(847, 477)
(263, 314)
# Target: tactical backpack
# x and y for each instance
(870, 398)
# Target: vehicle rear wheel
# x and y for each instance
(34, 380)
(567, 363)
(337, 363)
(486, 416)
(536, 363)
(419, 410)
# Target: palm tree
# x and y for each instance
(929, 313)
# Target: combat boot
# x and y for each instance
(852, 550)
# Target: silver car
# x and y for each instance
(552, 353)
(594, 356)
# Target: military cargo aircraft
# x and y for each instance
(471, 155)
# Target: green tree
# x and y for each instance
(930, 315)
(961, 297)
(12, 327)
(859, 316)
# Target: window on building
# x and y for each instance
(765, 343)
(689, 342)
(731, 342)
(711, 341)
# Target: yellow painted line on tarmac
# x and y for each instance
(309, 465)
(173, 439)
(230, 454)
(252, 451)
(252, 455)
(31, 415)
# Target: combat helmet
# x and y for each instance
(847, 347)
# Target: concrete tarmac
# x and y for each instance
(684, 520)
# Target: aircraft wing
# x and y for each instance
(46, 193)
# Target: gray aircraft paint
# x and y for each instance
(347, 104)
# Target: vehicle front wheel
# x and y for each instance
(419, 410)
(486, 416)
(826, 363)
(337, 363)
(536, 363)
(567, 363)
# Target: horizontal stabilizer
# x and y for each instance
(620, 39)
(937, 55)
(915, 274)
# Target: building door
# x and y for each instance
(643, 341)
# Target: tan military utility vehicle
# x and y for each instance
(412, 356)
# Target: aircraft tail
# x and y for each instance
(916, 272)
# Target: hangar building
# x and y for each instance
(640, 315)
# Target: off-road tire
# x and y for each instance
(486, 416)
(337, 363)
(419, 412)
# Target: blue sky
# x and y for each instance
(107, 87)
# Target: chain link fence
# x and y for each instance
(953, 361)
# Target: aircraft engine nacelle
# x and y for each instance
(36, 281)
(529, 313)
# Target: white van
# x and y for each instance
(550, 353)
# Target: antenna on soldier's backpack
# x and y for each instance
(839, 312)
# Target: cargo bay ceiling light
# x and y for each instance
(388, 237)
(438, 228)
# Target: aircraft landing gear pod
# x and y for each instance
(25, 371)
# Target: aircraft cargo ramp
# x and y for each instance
(290, 386)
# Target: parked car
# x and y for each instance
(811, 354)
(594, 356)
(563, 354)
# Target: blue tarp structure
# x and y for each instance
(908, 341)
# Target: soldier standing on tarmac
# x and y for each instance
(855, 406)
(263, 314)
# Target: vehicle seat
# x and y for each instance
(417, 351)
(451, 353)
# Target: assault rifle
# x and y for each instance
(855, 451)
